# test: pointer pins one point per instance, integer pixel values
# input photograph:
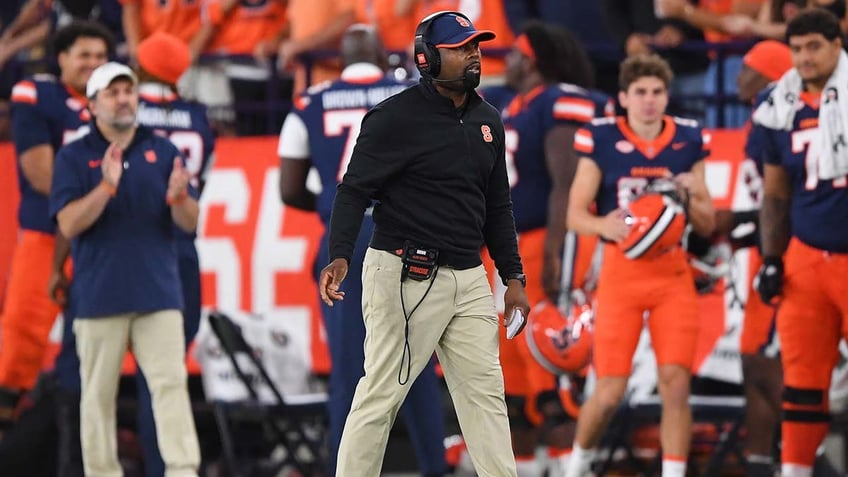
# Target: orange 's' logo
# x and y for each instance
(487, 133)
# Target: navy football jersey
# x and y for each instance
(819, 208)
(629, 163)
(325, 121)
(185, 124)
(527, 120)
(44, 111)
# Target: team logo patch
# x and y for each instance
(462, 21)
(625, 147)
(150, 156)
(487, 133)
(94, 163)
(84, 115)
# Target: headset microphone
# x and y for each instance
(452, 80)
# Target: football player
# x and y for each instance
(551, 74)
(46, 113)
(621, 159)
(805, 259)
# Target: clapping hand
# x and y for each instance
(178, 182)
(113, 165)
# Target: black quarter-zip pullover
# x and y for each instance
(438, 176)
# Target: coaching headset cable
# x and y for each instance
(406, 318)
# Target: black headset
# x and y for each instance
(427, 58)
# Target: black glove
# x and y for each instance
(769, 281)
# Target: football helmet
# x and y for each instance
(559, 343)
(657, 223)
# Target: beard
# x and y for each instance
(469, 81)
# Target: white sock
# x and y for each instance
(558, 463)
(759, 459)
(527, 467)
(795, 470)
(580, 462)
(673, 468)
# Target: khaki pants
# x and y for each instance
(159, 348)
(457, 319)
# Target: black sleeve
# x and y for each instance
(377, 156)
(617, 17)
(499, 229)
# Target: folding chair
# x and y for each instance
(259, 439)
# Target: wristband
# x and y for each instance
(176, 200)
(112, 190)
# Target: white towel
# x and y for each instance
(778, 112)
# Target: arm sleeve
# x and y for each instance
(768, 153)
(378, 156)
(67, 185)
(499, 229)
(294, 138)
(706, 139)
(573, 110)
(29, 128)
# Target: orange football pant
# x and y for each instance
(28, 313)
(523, 376)
(759, 317)
(811, 319)
(662, 288)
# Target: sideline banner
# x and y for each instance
(257, 255)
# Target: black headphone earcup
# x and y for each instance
(434, 58)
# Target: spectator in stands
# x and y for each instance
(29, 25)
(315, 25)
(239, 30)
(637, 29)
(143, 17)
(712, 17)
(46, 113)
(120, 212)
(316, 134)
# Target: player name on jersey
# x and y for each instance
(155, 116)
(358, 98)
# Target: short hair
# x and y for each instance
(640, 66)
(814, 20)
(65, 38)
(560, 57)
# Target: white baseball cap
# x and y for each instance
(104, 74)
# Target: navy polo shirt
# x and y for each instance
(127, 260)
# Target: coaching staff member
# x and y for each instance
(432, 157)
(117, 193)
